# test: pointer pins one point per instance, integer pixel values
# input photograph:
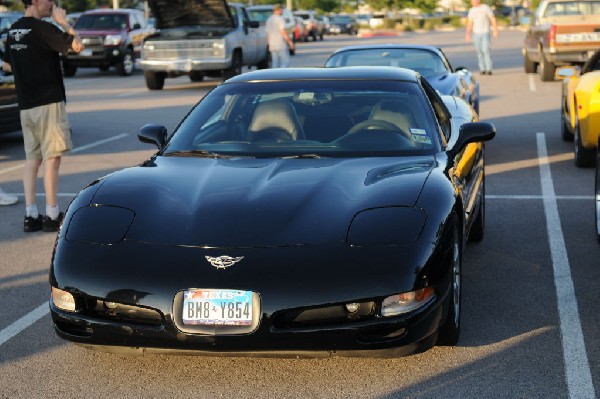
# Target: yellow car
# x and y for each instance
(597, 196)
(580, 108)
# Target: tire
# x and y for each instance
(69, 69)
(478, 226)
(196, 76)
(236, 66)
(155, 80)
(127, 64)
(266, 63)
(584, 157)
(449, 332)
(565, 132)
(530, 66)
(597, 191)
(547, 69)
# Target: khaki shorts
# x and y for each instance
(46, 131)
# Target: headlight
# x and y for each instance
(112, 40)
(63, 300)
(406, 302)
(99, 224)
(386, 226)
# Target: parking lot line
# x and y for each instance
(24, 322)
(577, 368)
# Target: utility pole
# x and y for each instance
(289, 5)
(115, 4)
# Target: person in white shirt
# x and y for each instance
(481, 22)
(278, 39)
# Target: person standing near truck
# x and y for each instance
(480, 23)
(33, 55)
(278, 39)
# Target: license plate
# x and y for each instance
(217, 307)
(86, 52)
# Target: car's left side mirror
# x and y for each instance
(253, 24)
(566, 71)
(473, 132)
(153, 134)
(137, 26)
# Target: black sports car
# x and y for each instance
(310, 211)
(429, 61)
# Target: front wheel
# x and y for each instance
(236, 66)
(565, 132)
(155, 80)
(584, 157)
(597, 191)
(449, 332)
(126, 65)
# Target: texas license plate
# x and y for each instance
(86, 52)
(217, 307)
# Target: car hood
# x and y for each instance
(258, 202)
(190, 13)
(444, 83)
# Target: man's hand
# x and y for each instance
(60, 16)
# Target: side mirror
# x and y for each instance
(137, 26)
(472, 132)
(153, 134)
(253, 24)
(565, 72)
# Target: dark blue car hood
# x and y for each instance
(258, 202)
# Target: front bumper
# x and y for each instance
(112, 55)
(185, 65)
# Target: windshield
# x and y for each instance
(340, 19)
(101, 22)
(325, 118)
(427, 63)
(573, 8)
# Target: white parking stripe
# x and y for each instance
(73, 151)
(531, 82)
(539, 197)
(577, 368)
(24, 322)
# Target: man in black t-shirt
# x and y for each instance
(33, 56)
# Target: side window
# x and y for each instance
(440, 110)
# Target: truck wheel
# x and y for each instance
(236, 66)
(125, 67)
(584, 157)
(530, 66)
(547, 69)
(196, 76)
(68, 69)
(155, 80)
(265, 63)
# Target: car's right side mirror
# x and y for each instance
(473, 132)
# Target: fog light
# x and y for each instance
(352, 307)
(115, 52)
(63, 300)
(406, 302)
(110, 305)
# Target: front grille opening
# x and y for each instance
(321, 316)
(121, 312)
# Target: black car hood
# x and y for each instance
(191, 13)
(258, 202)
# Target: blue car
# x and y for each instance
(429, 61)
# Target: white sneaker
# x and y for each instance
(7, 199)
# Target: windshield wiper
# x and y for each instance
(195, 153)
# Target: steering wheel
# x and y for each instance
(273, 134)
(372, 124)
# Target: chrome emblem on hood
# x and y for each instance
(223, 261)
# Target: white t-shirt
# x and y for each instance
(273, 26)
(481, 16)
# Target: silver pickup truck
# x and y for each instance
(201, 38)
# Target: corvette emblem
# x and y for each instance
(223, 261)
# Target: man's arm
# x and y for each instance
(469, 29)
(60, 16)
(6, 67)
(494, 24)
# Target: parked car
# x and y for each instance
(314, 25)
(9, 108)
(343, 24)
(300, 32)
(429, 61)
(111, 38)
(580, 107)
(290, 212)
(262, 12)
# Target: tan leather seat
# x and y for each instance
(395, 112)
(276, 115)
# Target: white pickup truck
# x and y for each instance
(199, 38)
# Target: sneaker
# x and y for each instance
(52, 224)
(489, 72)
(32, 224)
(7, 199)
